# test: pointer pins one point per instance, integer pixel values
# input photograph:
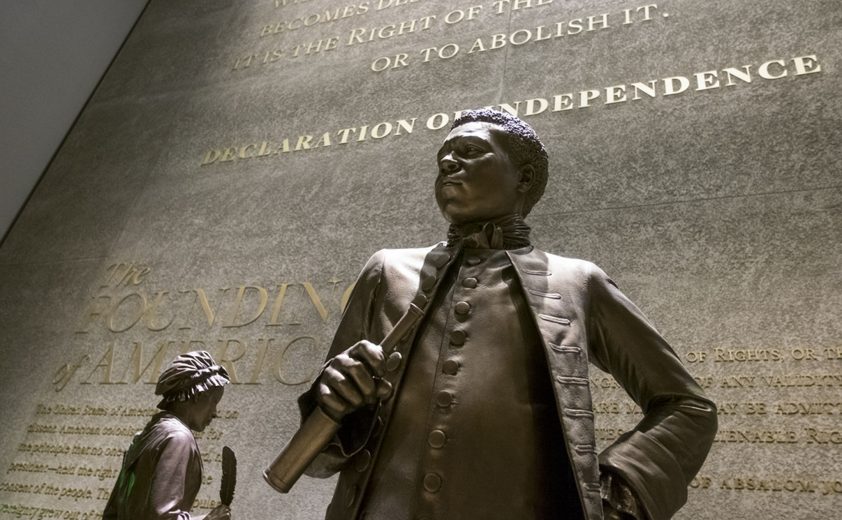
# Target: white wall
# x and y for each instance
(52, 54)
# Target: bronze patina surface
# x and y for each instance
(162, 469)
(485, 409)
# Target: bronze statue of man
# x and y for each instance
(484, 410)
(162, 469)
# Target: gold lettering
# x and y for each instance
(806, 65)
(153, 367)
(477, 46)
(347, 296)
(95, 310)
(278, 305)
(675, 85)
(265, 149)
(247, 151)
(280, 373)
(407, 126)
(65, 373)
(263, 346)
(764, 73)
(723, 355)
(743, 75)
(647, 88)
(381, 130)
(754, 483)
(821, 436)
(832, 353)
(317, 302)
(263, 296)
(106, 363)
(141, 305)
(574, 26)
(303, 142)
(202, 299)
(152, 312)
(562, 102)
(535, 106)
(344, 134)
(324, 140)
(229, 154)
(227, 359)
(615, 94)
(539, 34)
(707, 80)
(586, 96)
(598, 22)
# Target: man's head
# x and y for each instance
(491, 164)
(191, 387)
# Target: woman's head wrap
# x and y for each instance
(188, 375)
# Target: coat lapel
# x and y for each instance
(557, 318)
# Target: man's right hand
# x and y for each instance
(352, 379)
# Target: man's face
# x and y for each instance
(477, 180)
(204, 408)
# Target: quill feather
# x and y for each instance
(229, 476)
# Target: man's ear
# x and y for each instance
(526, 174)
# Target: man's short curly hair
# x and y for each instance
(522, 143)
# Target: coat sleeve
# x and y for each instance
(354, 326)
(662, 454)
(110, 512)
(122, 487)
(176, 481)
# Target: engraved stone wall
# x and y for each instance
(241, 160)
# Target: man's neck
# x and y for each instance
(506, 232)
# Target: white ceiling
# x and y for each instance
(52, 54)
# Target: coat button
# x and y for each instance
(420, 300)
(428, 283)
(450, 367)
(457, 337)
(462, 308)
(432, 482)
(470, 282)
(444, 399)
(473, 260)
(438, 259)
(362, 461)
(391, 393)
(437, 439)
(394, 361)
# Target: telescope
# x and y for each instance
(318, 429)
